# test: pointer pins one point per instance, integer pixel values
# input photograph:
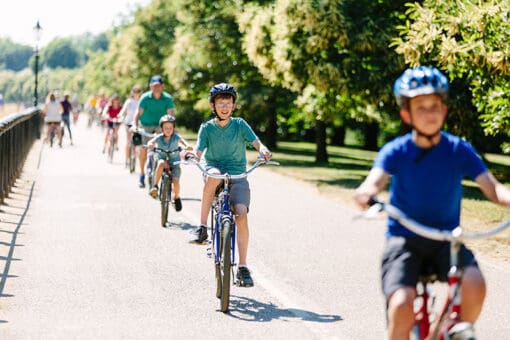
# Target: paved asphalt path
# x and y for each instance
(84, 257)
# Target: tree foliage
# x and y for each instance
(471, 42)
(14, 56)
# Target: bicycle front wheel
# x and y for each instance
(150, 171)
(164, 196)
(225, 264)
(132, 158)
(111, 149)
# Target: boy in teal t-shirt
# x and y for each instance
(223, 139)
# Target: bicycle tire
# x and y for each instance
(52, 136)
(132, 158)
(214, 238)
(150, 172)
(225, 264)
(165, 194)
(111, 149)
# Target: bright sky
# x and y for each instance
(60, 18)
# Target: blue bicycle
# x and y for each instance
(223, 230)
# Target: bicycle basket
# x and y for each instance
(137, 139)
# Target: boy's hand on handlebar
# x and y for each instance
(264, 152)
(364, 200)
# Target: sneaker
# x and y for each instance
(201, 234)
(141, 184)
(154, 192)
(178, 204)
(244, 277)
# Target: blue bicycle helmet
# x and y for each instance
(222, 88)
(418, 81)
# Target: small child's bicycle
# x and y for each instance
(223, 229)
(447, 325)
(165, 189)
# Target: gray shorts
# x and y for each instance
(240, 192)
(148, 129)
(405, 258)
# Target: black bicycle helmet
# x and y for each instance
(419, 81)
(222, 88)
(166, 119)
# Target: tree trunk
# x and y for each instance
(338, 137)
(371, 133)
(321, 155)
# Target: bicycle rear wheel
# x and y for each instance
(165, 193)
(225, 264)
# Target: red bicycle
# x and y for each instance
(447, 324)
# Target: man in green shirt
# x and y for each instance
(153, 105)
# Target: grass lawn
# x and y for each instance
(348, 166)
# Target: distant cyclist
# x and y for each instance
(129, 112)
(224, 139)
(169, 140)
(153, 105)
(66, 114)
(111, 114)
(76, 105)
(52, 117)
(90, 107)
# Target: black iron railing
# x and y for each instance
(17, 134)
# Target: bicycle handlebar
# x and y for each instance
(427, 231)
(156, 149)
(144, 133)
(259, 162)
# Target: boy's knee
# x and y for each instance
(473, 281)
(401, 300)
(241, 211)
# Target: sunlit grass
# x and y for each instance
(349, 166)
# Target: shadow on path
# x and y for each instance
(12, 244)
(248, 309)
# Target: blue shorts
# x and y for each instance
(404, 257)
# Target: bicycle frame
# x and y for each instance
(448, 325)
(165, 189)
(222, 216)
(222, 211)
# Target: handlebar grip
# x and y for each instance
(374, 201)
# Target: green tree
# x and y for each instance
(471, 42)
(334, 54)
(61, 52)
(14, 56)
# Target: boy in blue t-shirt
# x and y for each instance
(426, 168)
(169, 140)
(224, 139)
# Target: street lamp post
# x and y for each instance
(37, 35)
